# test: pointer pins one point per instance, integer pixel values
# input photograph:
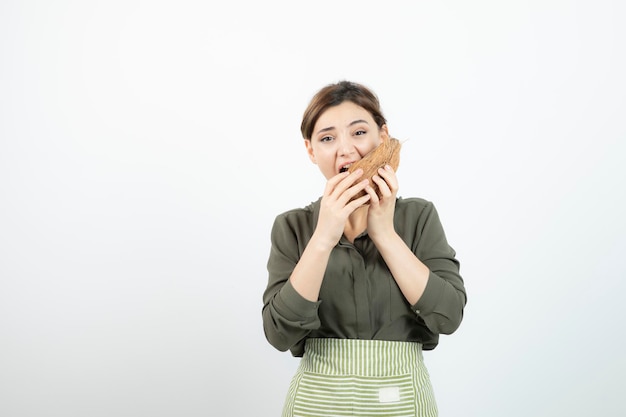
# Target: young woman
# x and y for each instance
(358, 287)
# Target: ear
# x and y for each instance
(309, 150)
(384, 133)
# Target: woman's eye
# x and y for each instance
(360, 132)
(326, 139)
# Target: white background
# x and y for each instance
(146, 147)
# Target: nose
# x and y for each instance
(346, 147)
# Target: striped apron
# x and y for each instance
(354, 377)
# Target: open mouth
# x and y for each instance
(344, 168)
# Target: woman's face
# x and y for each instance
(342, 135)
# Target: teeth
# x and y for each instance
(345, 168)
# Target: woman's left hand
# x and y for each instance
(381, 209)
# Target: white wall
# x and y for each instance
(146, 146)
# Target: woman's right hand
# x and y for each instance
(336, 206)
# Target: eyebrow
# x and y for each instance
(326, 129)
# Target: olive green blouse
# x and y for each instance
(359, 298)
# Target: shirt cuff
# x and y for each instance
(432, 293)
(297, 307)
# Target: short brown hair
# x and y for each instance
(334, 95)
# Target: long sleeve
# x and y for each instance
(287, 317)
(442, 304)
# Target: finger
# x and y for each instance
(387, 172)
(332, 183)
(345, 183)
(390, 177)
(357, 202)
(348, 194)
(374, 200)
(383, 186)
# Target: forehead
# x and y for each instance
(342, 115)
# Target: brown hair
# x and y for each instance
(334, 95)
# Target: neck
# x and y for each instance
(356, 223)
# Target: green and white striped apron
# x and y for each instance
(353, 377)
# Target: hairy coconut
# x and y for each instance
(387, 153)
